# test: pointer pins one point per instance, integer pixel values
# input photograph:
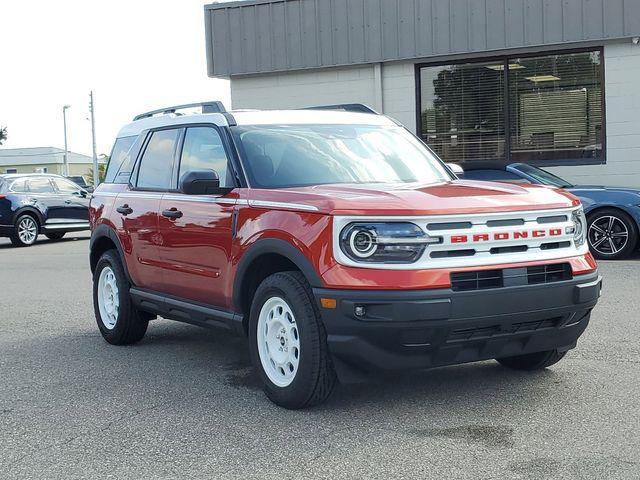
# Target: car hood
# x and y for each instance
(585, 188)
(455, 197)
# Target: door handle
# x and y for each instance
(172, 213)
(124, 209)
(68, 202)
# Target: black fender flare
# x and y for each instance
(29, 209)
(280, 247)
(105, 231)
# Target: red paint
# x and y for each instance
(195, 257)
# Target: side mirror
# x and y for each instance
(81, 193)
(201, 182)
(455, 168)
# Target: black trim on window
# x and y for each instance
(505, 59)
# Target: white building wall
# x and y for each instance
(305, 88)
(622, 98)
(395, 86)
(362, 84)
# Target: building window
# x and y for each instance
(12, 170)
(545, 110)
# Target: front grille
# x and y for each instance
(555, 272)
(484, 279)
(478, 280)
(479, 333)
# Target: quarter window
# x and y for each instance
(156, 166)
(19, 186)
(203, 150)
(121, 161)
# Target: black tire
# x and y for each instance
(532, 361)
(54, 235)
(130, 325)
(315, 377)
(15, 236)
(597, 232)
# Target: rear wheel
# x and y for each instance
(54, 235)
(26, 231)
(288, 342)
(532, 361)
(119, 322)
(612, 234)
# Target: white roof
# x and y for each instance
(39, 156)
(259, 117)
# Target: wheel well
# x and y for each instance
(259, 269)
(100, 246)
(32, 214)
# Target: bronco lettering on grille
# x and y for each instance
(498, 236)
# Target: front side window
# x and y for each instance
(203, 150)
(40, 185)
(156, 165)
(545, 110)
(65, 186)
(298, 155)
(121, 161)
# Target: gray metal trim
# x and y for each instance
(306, 34)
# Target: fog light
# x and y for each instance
(359, 311)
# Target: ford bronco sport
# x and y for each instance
(337, 242)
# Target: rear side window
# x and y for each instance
(203, 150)
(156, 165)
(121, 161)
(40, 185)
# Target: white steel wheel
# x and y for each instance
(108, 298)
(278, 341)
(27, 230)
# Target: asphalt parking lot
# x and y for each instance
(184, 402)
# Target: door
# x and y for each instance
(42, 195)
(75, 200)
(196, 230)
(136, 209)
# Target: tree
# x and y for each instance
(102, 167)
(3, 134)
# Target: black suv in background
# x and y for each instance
(81, 182)
(31, 204)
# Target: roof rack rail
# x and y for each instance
(347, 107)
(213, 106)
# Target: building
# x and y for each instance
(552, 82)
(44, 160)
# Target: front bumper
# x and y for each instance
(430, 328)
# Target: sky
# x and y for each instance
(135, 55)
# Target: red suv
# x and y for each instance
(337, 242)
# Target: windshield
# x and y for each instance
(542, 176)
(279, 156)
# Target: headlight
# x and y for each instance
(579, 227)
(398, 242)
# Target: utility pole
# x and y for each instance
(96, 171)
(65, 169)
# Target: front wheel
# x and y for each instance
(288, 342)
(532, 361)
(119, 322)
(612, 234)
